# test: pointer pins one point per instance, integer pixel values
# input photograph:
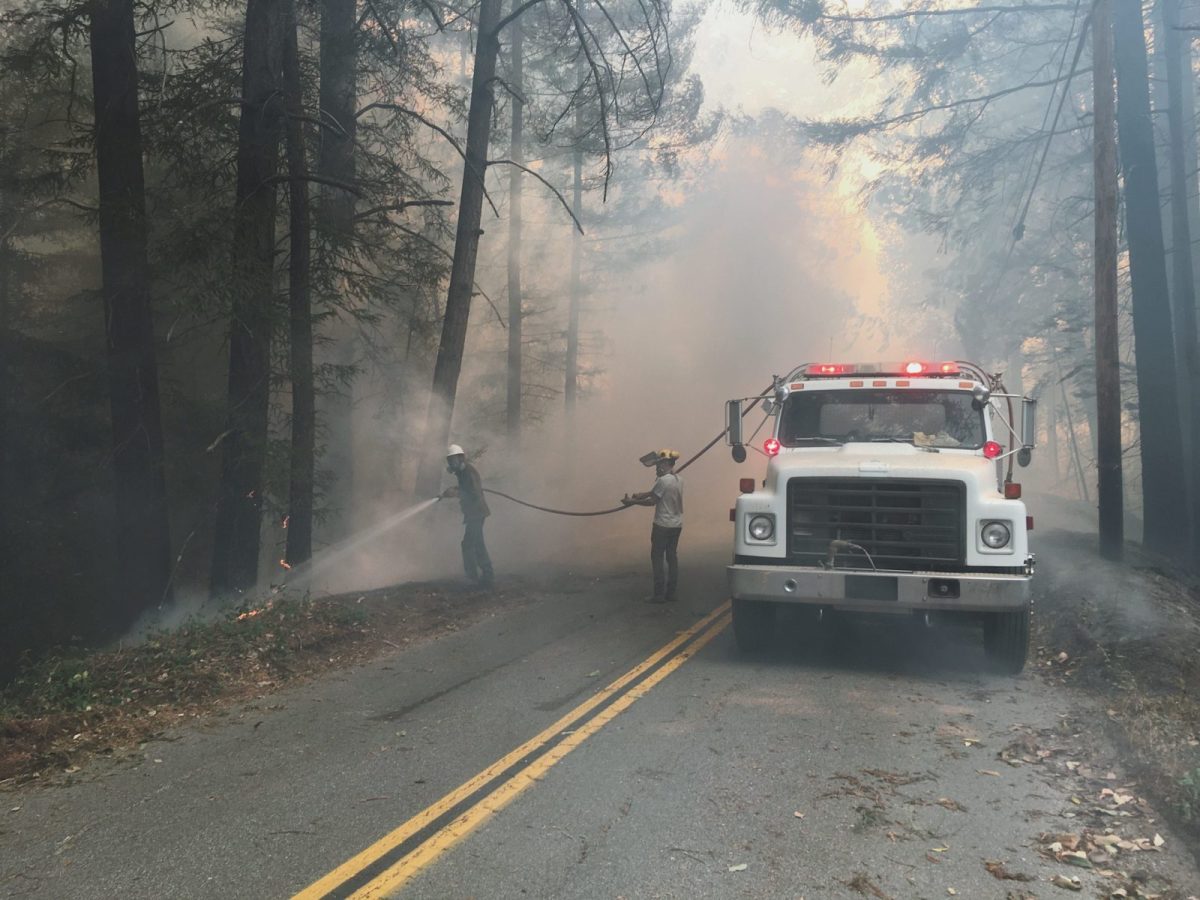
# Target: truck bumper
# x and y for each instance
(881, 592)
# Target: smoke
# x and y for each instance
(765, 267)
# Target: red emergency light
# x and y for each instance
(991, 449)
(771, 445)
(1012, 490)
(912, 367)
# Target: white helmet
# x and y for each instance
(455, 450)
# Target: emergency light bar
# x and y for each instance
(912, 367)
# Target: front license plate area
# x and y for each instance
(872, 587)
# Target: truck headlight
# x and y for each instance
(996, 535)
(761, 528)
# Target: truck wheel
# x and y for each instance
(1006, 640)
(753, 623)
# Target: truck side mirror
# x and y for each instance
(980, 396)
(1028, 430)
(733, 429)
(1028, 422)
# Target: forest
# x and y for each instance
(261, 262)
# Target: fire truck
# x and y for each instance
(889, 491)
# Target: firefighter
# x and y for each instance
(476, 562)
(667, 499)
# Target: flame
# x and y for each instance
(285, 564)
(286, 519)
(251, 613)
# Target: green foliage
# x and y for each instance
(1188, 801)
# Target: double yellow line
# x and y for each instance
(394, 859)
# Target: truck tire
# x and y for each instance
(753, 624)
(1006, 640)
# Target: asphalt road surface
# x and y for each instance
(589, 745)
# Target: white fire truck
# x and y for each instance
(888, 490)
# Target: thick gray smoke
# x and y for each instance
(767, 268)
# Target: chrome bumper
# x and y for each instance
(821, 587)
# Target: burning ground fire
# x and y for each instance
(251, 613)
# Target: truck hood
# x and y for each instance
(885, 461)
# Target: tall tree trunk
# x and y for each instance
(5, 394)
(1110, 489)
(1049, 404)
(335, 225)
(303, 455)
(142, 532)
(517, 153)
(571, 388)
(1177, 50)
(466, 249)
(1165, 507)
(239, 503)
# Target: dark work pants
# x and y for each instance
(664, 542)
(476, 562)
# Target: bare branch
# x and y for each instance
(581, 31)
(316, 179)
(450, 256)
(401, 206)
(508, 88)
(393, 107)
(516, 14)
(383, 26)
(529, 171)
(632, 55)
(954, 11)
(863, 126)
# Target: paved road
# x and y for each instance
(684, 780)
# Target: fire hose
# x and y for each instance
(617, 509)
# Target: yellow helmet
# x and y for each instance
(656, 456)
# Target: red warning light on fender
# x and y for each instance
(771, 445)
(991, 449)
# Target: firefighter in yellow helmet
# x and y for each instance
(666, 496)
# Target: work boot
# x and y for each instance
(657, 598)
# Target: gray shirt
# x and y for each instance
(668, 501)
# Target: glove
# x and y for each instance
(449, 493)
(626, 500)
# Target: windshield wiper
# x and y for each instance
(899, 440)
(821, 439)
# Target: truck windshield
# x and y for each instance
(921, 417)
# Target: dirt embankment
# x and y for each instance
(71, 707)
(1129, 634)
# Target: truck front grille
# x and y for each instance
(905, 524)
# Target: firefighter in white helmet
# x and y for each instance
(476, 562)
(666, 496)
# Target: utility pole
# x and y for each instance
(1110, 486)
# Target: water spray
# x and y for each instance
(304, 573)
